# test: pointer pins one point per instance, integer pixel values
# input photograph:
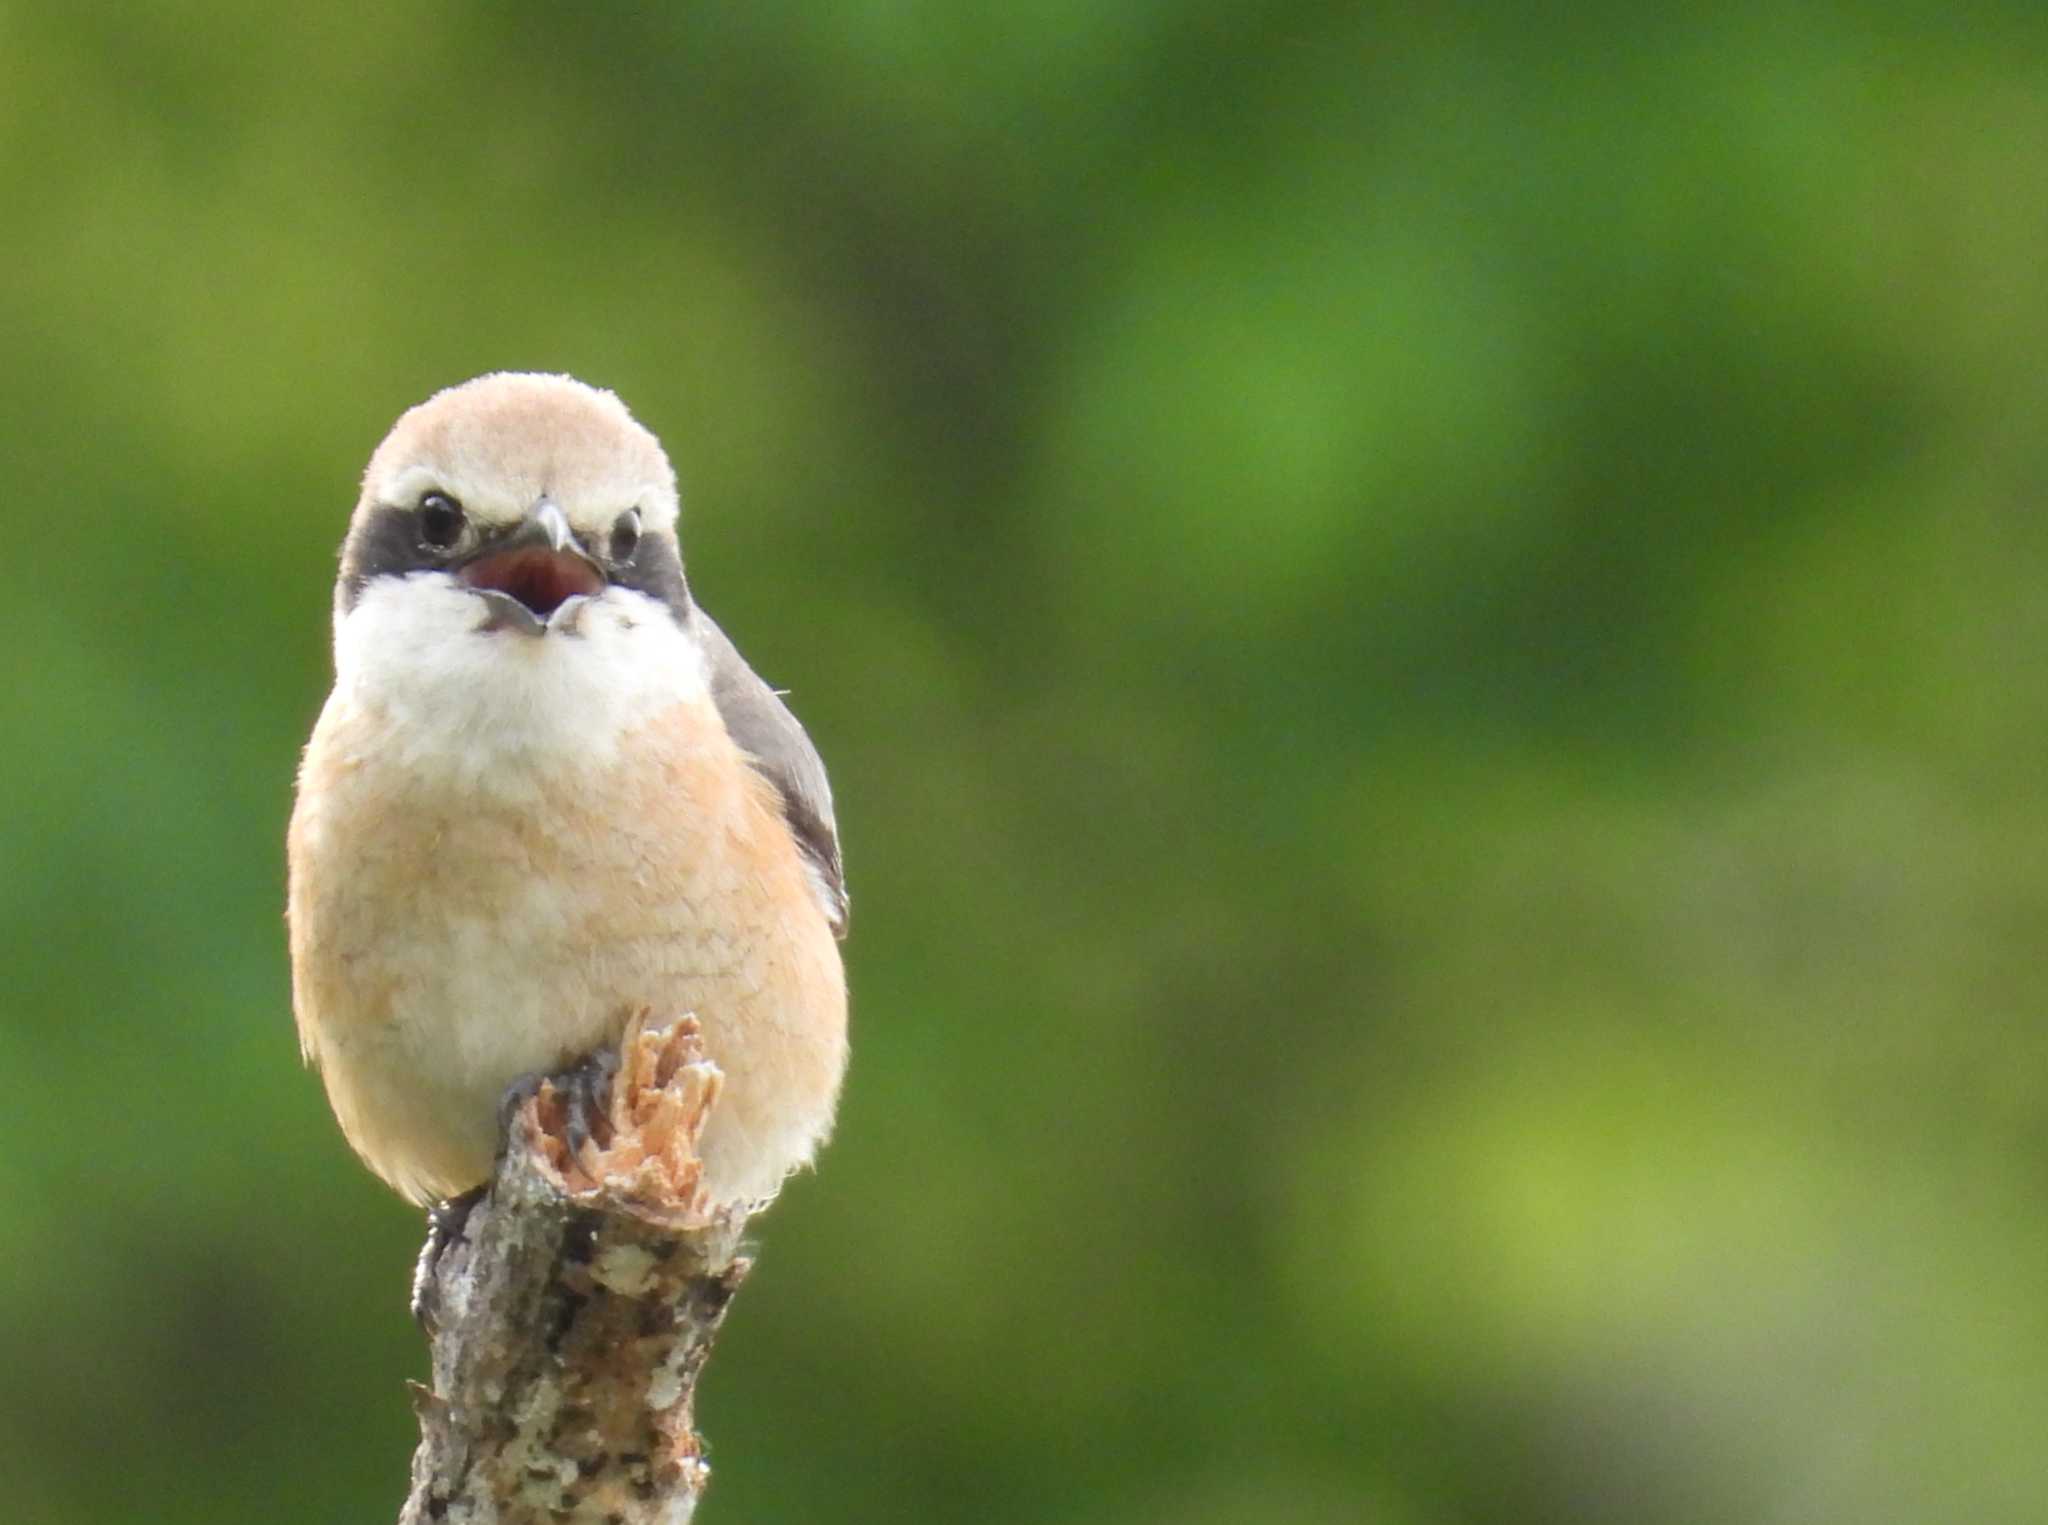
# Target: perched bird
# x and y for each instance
(546, 792)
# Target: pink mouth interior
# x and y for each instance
(539, 578)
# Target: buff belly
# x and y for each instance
(447, 941)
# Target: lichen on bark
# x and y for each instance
(575, 1308)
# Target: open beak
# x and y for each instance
(535, 578)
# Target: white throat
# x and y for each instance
(500, 711)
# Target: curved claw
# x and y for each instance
(587, 1096)
(446, 1221)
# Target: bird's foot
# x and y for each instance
(445, 1222)
(571, 1115)
(584, 1094)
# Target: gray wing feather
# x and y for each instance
(782, 753)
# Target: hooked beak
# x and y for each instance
(535, 578)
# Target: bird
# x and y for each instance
(546, 794)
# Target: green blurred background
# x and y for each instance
(1428, 623)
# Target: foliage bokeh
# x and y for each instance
(1422, 619)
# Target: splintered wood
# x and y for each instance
(579, 1304)
(641, 1149)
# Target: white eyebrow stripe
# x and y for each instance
(411, 483)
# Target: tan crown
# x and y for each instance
(500, 443)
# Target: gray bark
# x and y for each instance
(574, 1313)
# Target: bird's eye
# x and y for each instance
(626, 535)
(441, 521)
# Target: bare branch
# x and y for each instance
(574, 1312)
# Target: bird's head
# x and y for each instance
(529, 496)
